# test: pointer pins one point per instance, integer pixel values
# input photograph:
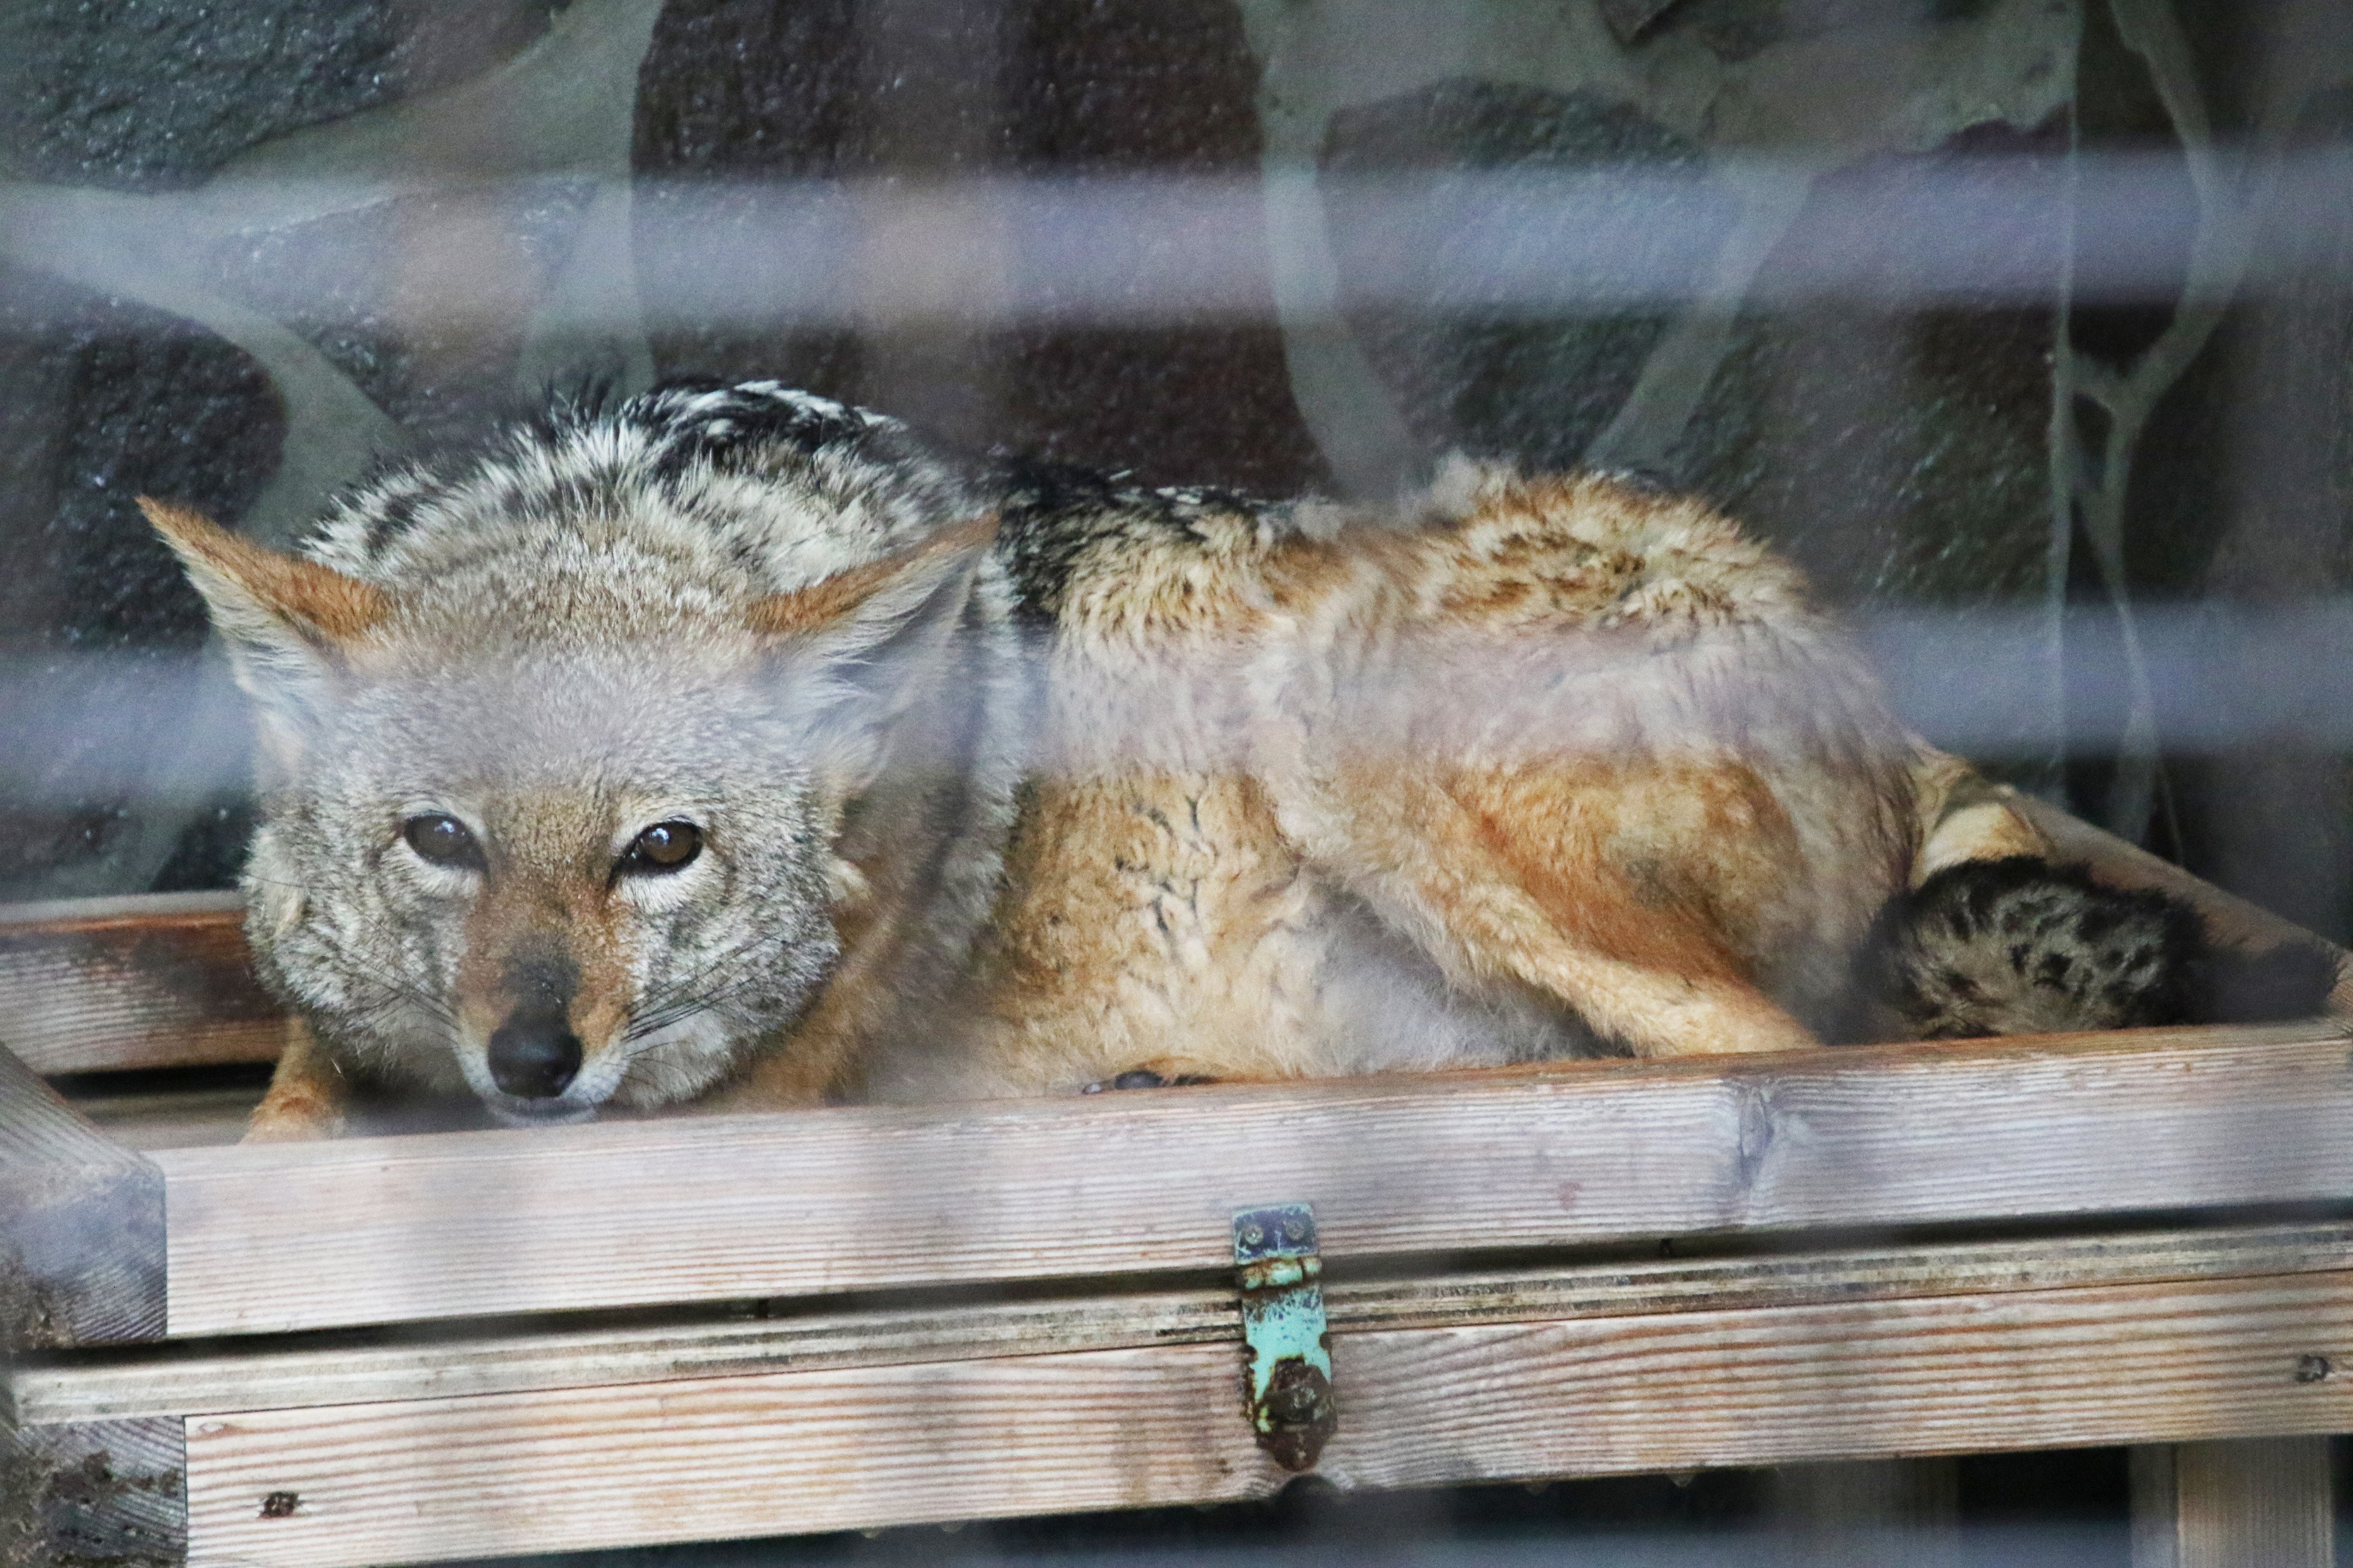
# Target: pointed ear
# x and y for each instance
(873, 598)
(286, 620)
(861, 648)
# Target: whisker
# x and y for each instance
(693, 977)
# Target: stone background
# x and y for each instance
(245, 248)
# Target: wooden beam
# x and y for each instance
(2252, 1503)
(276, 1237)
(157, 980)
(282, 1374)
(795, 1451)
(1862, 1513)
(112, 1495)
(349, 1370)
(81, 1226)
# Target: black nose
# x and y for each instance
(534, 1055)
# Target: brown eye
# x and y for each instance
(664, 846)
(443, 840)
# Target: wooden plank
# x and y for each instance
(2252, 1503)
(112, 1494)
(1864, 1513)
(289, 1236)
(2229, 917)
(158, 980)
(864, 1447)
(186, 1116)
(2154, 1518)
(174, 1380)
(81, 1226)
(730, 1457)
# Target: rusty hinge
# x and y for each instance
(1287, 1377)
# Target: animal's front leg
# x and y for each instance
(308, 1097)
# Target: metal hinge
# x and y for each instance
(1287, 1379)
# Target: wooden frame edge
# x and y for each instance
(111, 1492)
(82, 1248)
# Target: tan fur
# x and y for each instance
(1966, 819)
(543, 900)
(1256, 733)
(306, 1095)
(331, 607)
(806, 610)
(1551, 765)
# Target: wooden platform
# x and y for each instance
(409, 1348)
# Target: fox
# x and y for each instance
(733, 748)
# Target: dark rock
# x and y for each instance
(421, 301)
(99, 629)
(2118, 112)
(1740, 29)
(1899, 454)
(1629, 19)
(147, 92)
(2244, 488)
(914, 91)
(1495, 376)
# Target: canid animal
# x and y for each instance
(733, 746)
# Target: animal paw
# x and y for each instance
(292, 1121)
(2020, 945)
(1145, 1077)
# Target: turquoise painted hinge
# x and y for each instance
(1287, 1380)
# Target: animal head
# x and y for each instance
(552, 787)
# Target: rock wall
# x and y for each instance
(244, 250)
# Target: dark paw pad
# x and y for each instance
(1144, 1078)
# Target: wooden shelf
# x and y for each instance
(403, 1348)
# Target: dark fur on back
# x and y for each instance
(1051, 514)
(2022, 946)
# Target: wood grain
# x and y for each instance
(82, 1225)
(110, 1493)
(2264, 1501)
(177, 1116)
(160, 979)
(1866, 1514)
(287, 1237)
(350, 1370)
(831, 1449)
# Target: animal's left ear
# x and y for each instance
(859, 648)
(287, 621)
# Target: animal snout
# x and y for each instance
(533, 1054)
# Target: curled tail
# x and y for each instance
(2022, 945)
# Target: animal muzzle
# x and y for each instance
(534, 1053)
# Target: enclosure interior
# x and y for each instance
(2024, 326)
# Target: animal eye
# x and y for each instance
(443, 841)
(664, 846)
